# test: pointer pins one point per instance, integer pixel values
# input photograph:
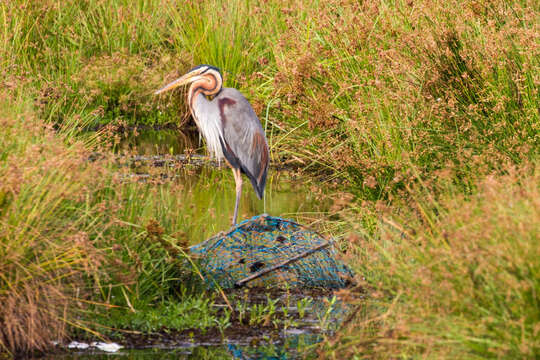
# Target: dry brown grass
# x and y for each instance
(32, 317)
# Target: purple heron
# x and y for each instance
(229, 125)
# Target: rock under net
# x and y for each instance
(266, 250)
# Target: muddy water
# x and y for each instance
(170, 156)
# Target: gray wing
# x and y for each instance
(244, 143)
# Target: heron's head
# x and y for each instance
(207, 77)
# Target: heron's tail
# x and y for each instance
(258, 184)
(259, 187)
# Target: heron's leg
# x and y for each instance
(238, 180)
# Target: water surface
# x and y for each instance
(208, 189)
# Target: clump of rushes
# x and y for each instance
(116, 89)
(459, 280)
(46, 252)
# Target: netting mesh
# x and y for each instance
(258, 244)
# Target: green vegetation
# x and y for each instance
(425, 112)
(190, 313)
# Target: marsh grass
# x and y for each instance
(458, 280)
(422, 110)
(44, 234)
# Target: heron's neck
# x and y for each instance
(209, 85)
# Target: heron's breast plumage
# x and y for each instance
(207, 118)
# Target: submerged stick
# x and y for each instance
(258, 274)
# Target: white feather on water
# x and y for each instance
(78, 345)
(107, 347)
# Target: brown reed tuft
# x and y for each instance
(45, 253)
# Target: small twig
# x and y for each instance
(264, 271)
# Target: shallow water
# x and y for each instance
(286, 350)
(159, 141)
(209, 190)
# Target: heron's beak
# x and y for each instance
(186, 79)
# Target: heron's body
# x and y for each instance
(229, 125)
